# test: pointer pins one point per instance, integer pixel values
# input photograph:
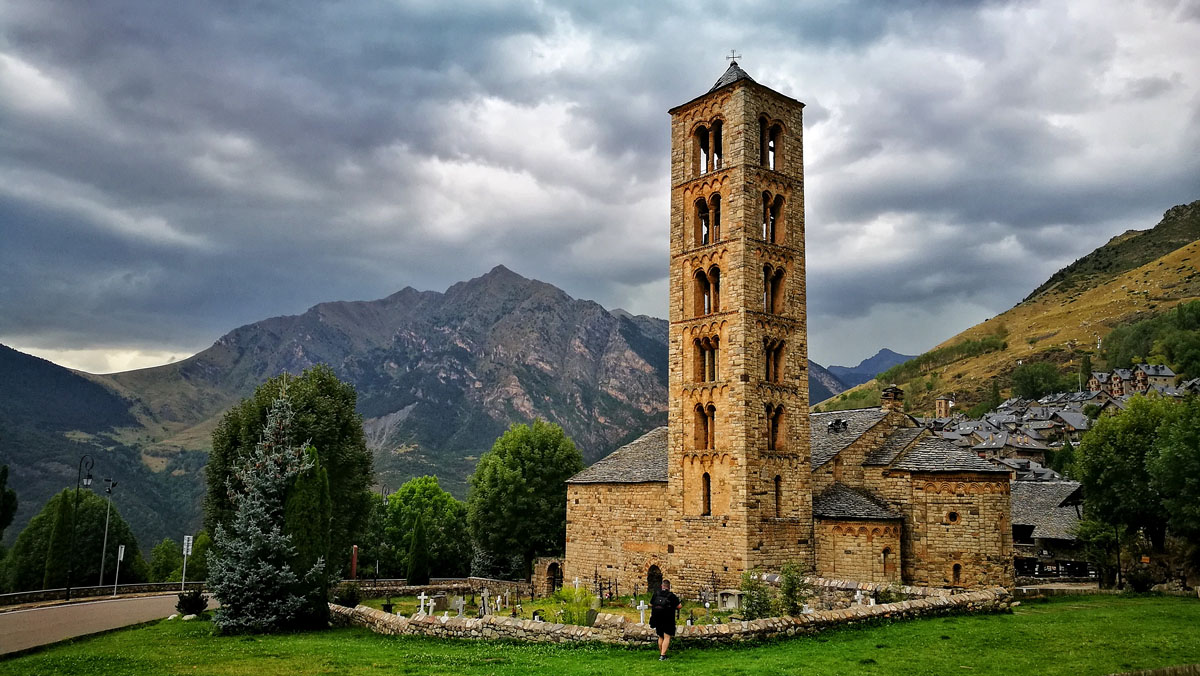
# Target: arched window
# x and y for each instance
(714, 207)
(762, 141)
(701, 155)
(703, 294)
(653, 579)
(768, 224)
(778, 496)
(775, 214)
(706, 495)
(773, 290)
(705, 363)
(774, 143)
(703, 223)
(700, 434)
(957, 571)
(714, 282)
(717, 150)
(773, 360)
(774, 427)
(711, 426)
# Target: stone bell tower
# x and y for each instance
(739, 480)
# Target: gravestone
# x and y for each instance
(642, 612)
(438, 602)
(459, 604)
(422, 598)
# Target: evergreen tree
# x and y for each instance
(1085, 369)
(26, 563)
(250, 566)
(418, 554)
(306, 521)
(324, 416)
(59, 552)
(165, 559)
(8, 503)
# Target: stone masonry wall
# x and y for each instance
(854, 550)
(959, 520)
(616, 530)
(615, 629)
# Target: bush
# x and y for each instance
(192, 602)
(889, 594)
(574, 606)
(756, 595)
(347, 594)
(793, 590)
(1139, 579)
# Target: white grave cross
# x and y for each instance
(459, 604)
(642, 609)
(577, 583)
(421, 597)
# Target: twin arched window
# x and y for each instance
(774, 427)
(773, 358)
(708, 220)
(706, 359)
(707, 144)
(707, 291)
(770, 143)
(773, 290)
(772, 218)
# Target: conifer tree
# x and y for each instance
(8, 503)
(306, 517)
(58, 552)
(250, 566)
(418, 554)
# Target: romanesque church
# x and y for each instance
(743, 477)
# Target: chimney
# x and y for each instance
(892, 399)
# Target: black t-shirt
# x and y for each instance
(662, 608)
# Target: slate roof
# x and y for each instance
(895, 443)
(1015, 440)
(641, 460)
(1077, 420)
(935, 454)
(1039, 504)
(732, 74)
(826, 443)
(1155, 370)
(1028, 470)
(839, 501)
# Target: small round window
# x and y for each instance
(952, 517)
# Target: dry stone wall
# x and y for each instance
(617, 630)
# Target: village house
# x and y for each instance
(743, 477)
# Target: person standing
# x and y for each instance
(662, 616)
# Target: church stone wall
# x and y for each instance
(958, 520)
(616, 531)
(854, 550)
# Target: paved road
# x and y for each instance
(21, 629)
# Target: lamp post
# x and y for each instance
(109, 484)
(85, 460)
(383, 491)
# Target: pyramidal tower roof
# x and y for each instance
(732, 74)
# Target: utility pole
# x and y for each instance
(108, 488)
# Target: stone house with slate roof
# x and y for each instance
(743, 477)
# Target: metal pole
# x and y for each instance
(183, 582)
(117, 576)
(104, 547)
(75, 515)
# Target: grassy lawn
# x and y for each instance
(1072, 635)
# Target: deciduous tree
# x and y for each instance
(165, 559)
(517, 505)
(445, 523)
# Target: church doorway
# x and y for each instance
(653, 579)
(554, 577)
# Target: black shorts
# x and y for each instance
(668, 630)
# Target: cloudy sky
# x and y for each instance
(172, 170)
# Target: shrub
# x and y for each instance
(192, 602)
(1139, 579)
(756, 595)
(347, 594)
(793, 590)
(889, 594)
(574, 605)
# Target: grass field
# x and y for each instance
(1071, 635)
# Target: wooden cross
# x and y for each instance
(733, 56)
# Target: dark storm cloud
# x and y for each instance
(169, 171)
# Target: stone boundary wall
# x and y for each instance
(457, 585)
(615, 629)
(41, 595)
(1035, 592)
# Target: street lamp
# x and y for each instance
(383, 491)
(85, 460)
(109, 484)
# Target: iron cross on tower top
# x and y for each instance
(733, 56)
